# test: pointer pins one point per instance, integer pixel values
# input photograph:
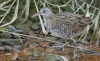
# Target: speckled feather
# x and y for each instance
(65, 24)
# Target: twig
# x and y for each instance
(7, 11)
(31, 36)
(91, 5)
(4, 3)
(41, 21)
(58, 5)
(27, 7)
(15, 15)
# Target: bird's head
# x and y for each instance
(45, 12)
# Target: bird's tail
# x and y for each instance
(87, 18)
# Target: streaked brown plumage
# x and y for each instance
(65, 25)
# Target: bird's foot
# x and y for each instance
(76, 55)
(60, 47)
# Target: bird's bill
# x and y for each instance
(39, 13)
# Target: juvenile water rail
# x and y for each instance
(65, 25)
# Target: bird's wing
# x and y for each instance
(73, 22)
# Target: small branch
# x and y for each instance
(41, 21)
(15, 15)
(31, 36)
(66, 4)
(27, 7)
(7, 11)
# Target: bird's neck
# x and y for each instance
(49, 17)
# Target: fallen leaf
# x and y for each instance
(25, 52)
(45, 44)
(49, 49)
(14, 56)
(8, 54)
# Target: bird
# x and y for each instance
(64, 25)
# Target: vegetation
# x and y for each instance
(19, 12)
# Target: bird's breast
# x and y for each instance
(48, 25)
(52, 29)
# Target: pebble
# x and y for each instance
(35, 27)
(1, 48)
(12, 41)
(37, 32)
(8, 48)
(18, 48)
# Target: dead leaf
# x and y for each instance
(25, 52)
(14, 56)
(49, 49)
(45, 44)
(8, 54)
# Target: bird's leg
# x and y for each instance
(60, 46)
(75, 50)
(73, 40)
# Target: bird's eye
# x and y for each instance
(43, 11)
